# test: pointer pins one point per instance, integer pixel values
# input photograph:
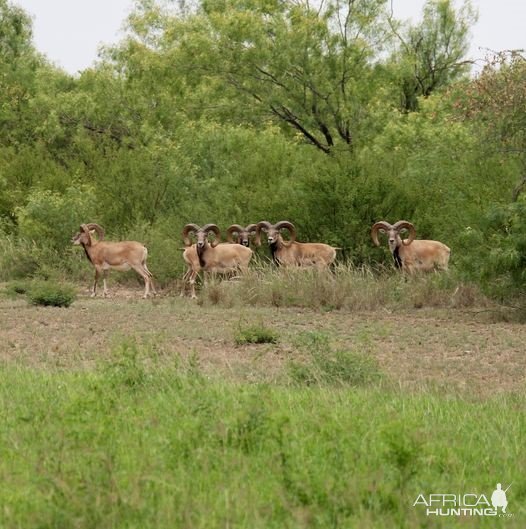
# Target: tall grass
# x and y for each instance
(344, 287)
(133, 446)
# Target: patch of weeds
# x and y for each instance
(403, 453)
(466, 295)
(255, 334)
(125, 367)
(214, 293)
(277, 299)
(250, 430)
(322, 365)
(49, 293)
(17, 288)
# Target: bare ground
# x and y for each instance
(450, 349)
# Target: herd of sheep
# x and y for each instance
(215, 257)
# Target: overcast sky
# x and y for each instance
(69, 32)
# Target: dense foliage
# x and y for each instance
(332, 116)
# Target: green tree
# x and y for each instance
(307, 68)
(432, 54)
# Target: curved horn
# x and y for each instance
(262, 225)
(84, 228)
(251, 228)
(403, 224)
(234, 228)
(97, 228)
(207, 228)
(189, 228)
(381, 225)
(285, 224)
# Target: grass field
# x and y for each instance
(162, 413)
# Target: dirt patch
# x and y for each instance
(449, 349)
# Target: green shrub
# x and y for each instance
(49, 293)
(500, 241)
(52, 218)
(255, 334)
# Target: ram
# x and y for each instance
(292, 253)
(211, 257)
(240, 235)
(106, 256)
(411, 255)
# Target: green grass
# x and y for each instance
(255, 334)
(133, 445)
(324, 365)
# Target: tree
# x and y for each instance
(308, 68)
(17, 67)
(432, 54)
(495, 101)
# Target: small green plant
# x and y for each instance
(255, 334)
(51, 294)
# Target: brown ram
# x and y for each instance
(409, 254)
(292, 253)
(239, 235)
(214, 258)
(105, 256)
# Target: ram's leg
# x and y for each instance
(105, 292)
(193, 276)
(146, 277)
(186, 277)
(150, 279)
(94, 289)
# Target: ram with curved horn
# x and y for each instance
(411, 255)
(106, 256)
(240, 235)
(292, 253)
(211, 257)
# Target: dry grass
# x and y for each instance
(450, 348)
(344, 288)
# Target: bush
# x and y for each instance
(500, 242)
(51, 294)
(52, 218)
(255, 334)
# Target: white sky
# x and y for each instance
(69, 32)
